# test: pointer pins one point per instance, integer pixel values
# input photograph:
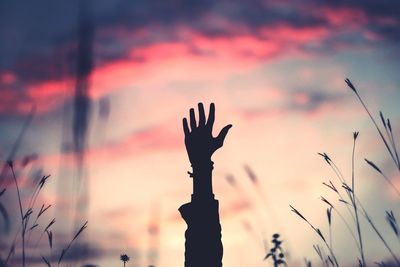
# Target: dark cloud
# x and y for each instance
(383, 8)
(311, 100)
(29, 29)
(299, 101)
(40, 40)
(383, 16)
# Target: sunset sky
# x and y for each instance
(274, 69)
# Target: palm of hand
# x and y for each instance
(200, 144)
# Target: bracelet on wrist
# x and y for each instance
(201, 167)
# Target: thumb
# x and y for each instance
(222, 134)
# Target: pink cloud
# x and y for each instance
(7, 78)
(154, 138)
(135, 144)
(160, 60)
(46, 95)
(254, 114)
(344, 16)
(235, 208)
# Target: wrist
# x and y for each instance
(202, 179)
(202, 167)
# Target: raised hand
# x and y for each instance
(200, 144)
(203, 246)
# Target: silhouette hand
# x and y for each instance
(200, 144)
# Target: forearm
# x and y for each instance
(203, 246)
(202, 180)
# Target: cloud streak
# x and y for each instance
(142, 32)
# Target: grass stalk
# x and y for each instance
(336, 170)
(341, 217)
(374, 166)
(376, 230)
(319, 233)
(348, 228)
(10, 163)
(352, 87)
(393, 142)
(65, 250)
(355, 202)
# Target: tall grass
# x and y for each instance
(331, 257)
(354, 202)
(65, 250)
(24, 218)
(26, 228)
(391, 219)
(348, 197)
(387, 139)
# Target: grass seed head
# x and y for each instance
(350, 84)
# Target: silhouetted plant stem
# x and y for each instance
(337, 170)
(329, 211)
(340, 176)
(12, 250)
(65, 250)
(369, 220)
(331, 252)
(329, 216)
(18, 142)
(393, 142)
(322, 255)
(330, 236)
(375, 167)
(348, 228)
(38, 241)
(352, 87)
(391, 184)
(319, 233)
(10, 163)
(388, 128)
(35, 224)
(391, 220)
(12, 247)
(355, 202)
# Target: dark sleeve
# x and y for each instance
(203, 246)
